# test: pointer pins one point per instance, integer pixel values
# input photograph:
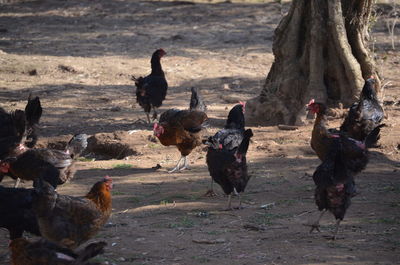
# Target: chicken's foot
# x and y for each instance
(315, 226)
(210, 192)
(336, 229)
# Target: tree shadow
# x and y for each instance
(105, 28)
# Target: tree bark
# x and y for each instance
(320, 52)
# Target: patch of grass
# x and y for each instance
(122, 166)
(153, 145)
(387, 221)
(200, 259)
(287, 202)
(85, 159)
(118, 193)
(184, 222)
(134, 199)
(267, 218)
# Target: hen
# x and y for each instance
(70, 221)
(152, 89)
(54, 166)
(364, 115)
(196, 101)
(12, 132)
(342, 158)
(19, 128)
(16, 212)
(226, 160)
(180, 128)
(43, 252)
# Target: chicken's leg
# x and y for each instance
(336, 229)
(316, 224)
(177, 167)
(229, 202)
(185, 164)
(148, 117)
(154, 113)
(17, 181)
(210, 192)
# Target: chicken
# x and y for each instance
(180, 128)
(54, 166)
(342, 159)
(70, 221)
(33, 112)
(43, 252)
(12, 132)
(152, 89)
(16, 212)
(196, 101)
(19, 128)
(322, 137)
(364, 115)
(226, 160)
(233, 129)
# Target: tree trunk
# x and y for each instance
(320, 52)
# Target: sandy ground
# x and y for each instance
(78, 57)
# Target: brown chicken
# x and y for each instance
(43, 252)
(70, 221)
(180, 128)
(54, 166)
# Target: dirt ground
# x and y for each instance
(78, 57)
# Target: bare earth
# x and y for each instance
(84, 53)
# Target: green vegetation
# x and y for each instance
(122, 166)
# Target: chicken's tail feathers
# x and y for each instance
(77, 145)
(373, 137)
(90, 251)
(33, 110)
(244, 145)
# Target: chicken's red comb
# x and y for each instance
(243, 103)
(312, 101)
(155, 126)
(107, 178)
(372, 77)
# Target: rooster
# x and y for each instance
(54, 166)
(342, 159)
(43, 252)
(364, 115)
(16, 212)
(70, 221)
(180, 128)
(152, 89)
(196, 101)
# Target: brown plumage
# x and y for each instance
(70, 221)
(54, 166)
(43, 252)
(180, 128)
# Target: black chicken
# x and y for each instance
(364, 115)
(19, 128)
(12, 132)
(54, 166)
(33, 112)
(196, 101)
(152, 89)
(226, 155)
(342, 158)
(16, 211)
